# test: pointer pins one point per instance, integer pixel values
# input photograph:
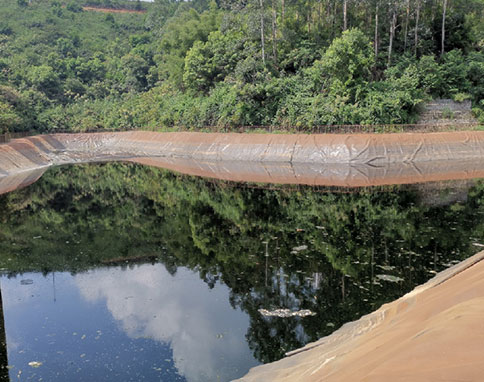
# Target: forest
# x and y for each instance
(231, 63)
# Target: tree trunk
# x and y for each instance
(407, 15)
(392, 33)
(376, 31)
(343, 293)
(274, 31)
(416, 26)
(283, 10)
(443, 27)
(345, 24)
(262, 36)
(309, 23)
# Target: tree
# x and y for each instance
(417, 19)
(407, 17)
(393, 24)
(444, 11)
(8, 118)
(44, 79)
(347, 63)
(178, 36)
(210, 62)
(345, 15)
(262, 32)
(376, 39)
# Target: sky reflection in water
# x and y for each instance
(123, 324)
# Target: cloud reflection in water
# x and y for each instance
(206, 334)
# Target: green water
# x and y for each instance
(119, 272)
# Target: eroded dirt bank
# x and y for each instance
(433, 333)
(333, 160)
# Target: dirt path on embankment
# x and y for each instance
(433, 333)
(113, 10)
(327, 160)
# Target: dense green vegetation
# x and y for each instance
(326, 251)
(230, 63)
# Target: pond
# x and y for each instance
(123, 272)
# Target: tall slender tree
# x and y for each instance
(376, 31)
(274, 31)
(262, 34)
(393, 23)
(444, 11)
(407, 17)
(345, 15)
(417, 17)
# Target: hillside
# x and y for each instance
(234, 63)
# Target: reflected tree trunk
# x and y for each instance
(3, 345)
(343, 287)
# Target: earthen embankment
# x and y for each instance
(336, 160)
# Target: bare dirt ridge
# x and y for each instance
(356, 160)
(113, 10)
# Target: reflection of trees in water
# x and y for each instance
(339, 255)
(3, 346)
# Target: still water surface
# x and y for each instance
(119, 272)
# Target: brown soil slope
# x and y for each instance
(434, 333)
(112, 10)
(327, 160)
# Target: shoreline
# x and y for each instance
(356, 160)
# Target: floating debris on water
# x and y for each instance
(285, 313)
(390, 278)
(26, 282)
(35, 364)
(386, 267)
(299, 249)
